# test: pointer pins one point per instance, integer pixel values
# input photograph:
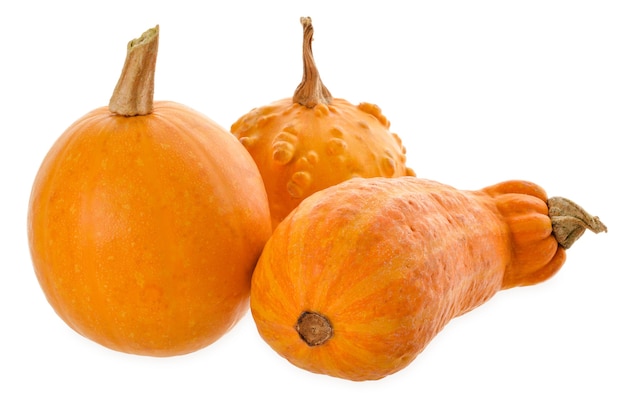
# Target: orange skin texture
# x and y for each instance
(300, 150)
(389, 262)
(144, 231)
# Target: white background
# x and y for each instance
(479, 91)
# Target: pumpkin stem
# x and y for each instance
(569, 221)
(134, 92)
(314, 328)
(311, 91)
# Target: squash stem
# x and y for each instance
(311, 91)
(134, 92)
(569, 221)
(314, 328)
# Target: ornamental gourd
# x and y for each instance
(311, 141)
(361, 276)
(146, 220)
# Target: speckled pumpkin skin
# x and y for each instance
(389, 262)
(301, 150)
(144, 231)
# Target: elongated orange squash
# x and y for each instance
(360, 277)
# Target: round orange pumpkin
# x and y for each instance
(312, 141)
(146, 220)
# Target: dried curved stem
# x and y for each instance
(134, 92)
(569, 221)
(311, 90)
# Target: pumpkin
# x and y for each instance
(312, 140)
(360, 277)
(146, 219)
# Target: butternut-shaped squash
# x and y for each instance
(361, 276)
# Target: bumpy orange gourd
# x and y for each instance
(311, 141)
(361, 276)
(146, 221)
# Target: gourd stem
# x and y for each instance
(311, 91)
(569, 221)
(134, 92)
(314, 328)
